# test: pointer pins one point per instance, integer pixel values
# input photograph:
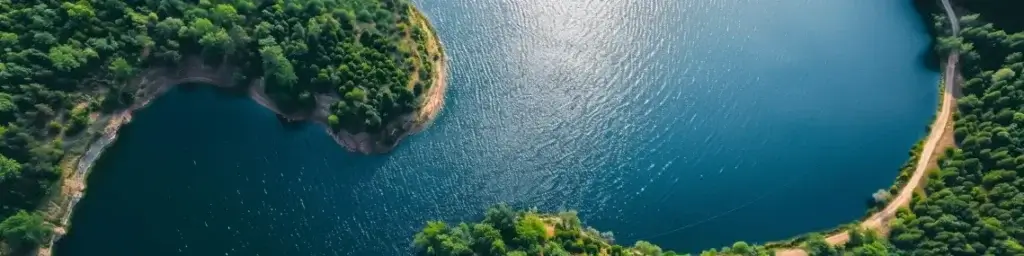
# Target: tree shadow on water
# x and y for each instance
(348, 168)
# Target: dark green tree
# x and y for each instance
(25, 230)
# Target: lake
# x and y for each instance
(691, 124)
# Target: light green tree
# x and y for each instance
(9, 168)
(25, 230)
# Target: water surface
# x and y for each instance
(688, 123)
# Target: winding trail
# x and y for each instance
(945, 116)
(880, 220)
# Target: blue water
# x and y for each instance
(688, 123)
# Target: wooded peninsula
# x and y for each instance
(371, 71)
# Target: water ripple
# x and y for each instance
(686, 122)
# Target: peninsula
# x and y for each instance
(73, 72)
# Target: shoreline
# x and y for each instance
(938, 132)
(155, 82)
(408, 124)
(939, 138)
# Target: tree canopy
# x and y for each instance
(973, 204)
(60, 61)
(25, 230)
(505, 231)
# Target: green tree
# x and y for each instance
(8, 39)
(225, 14)
(7, 107)
(502, 218)
(80, 10)
(946, 45)
(647, 249)
(517, 253)
(277, 66)
(487, 240)
(60, 54)
(121, 69)
(66, 57)
(333, 122)
(530, 230)
(199, 27)
(1003, 74)
(217, 40)
(9, 169)
(817, 246)
(24, 230)
(169, 27)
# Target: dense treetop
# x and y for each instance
(973, 204)
(861, 243)
(23, 231)
(504, 231)
(62, 60)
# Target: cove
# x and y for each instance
(690, 124)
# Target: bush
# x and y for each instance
(54, 127)
(23, 230)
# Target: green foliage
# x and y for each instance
(67, 57)
(333, 122)
(7, 106)
(55, 127)
(56, 54)
(504, 231)
(517, 253)
(529, 230)
(647, 249)
(973, 204)
(79, 120)
(502, 218)
(9, 168)
(945, 45)
(24, 230)
(323, 50)
(121, 69)
(438, 239)
(1002, 75)
(860, 243)
(817, 246)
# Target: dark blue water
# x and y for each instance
(688, 123)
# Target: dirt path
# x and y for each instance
(435, 94)
(880, 220)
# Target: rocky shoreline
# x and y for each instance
(154, 82)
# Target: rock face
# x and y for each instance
(155, 82)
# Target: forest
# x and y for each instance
(64, 62)
(505, 231)
(971, 205)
